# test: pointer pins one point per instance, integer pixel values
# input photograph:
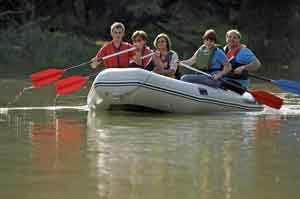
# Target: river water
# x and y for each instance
(66, 151)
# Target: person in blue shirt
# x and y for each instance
(241, 58)
(210, 57)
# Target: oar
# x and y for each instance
(73, 83)
(286, 85)
(262, 97)
(144, 57)
(47, 76)
(70, 84)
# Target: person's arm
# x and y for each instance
(173, 66)
(252, 66)
(94, 63)
(96, 60)
(143, 57)
(136, 58)
(221, 60)
(158, 64)
(191, 60)
(134, 55)
(226, 69)
(148, 55)
(251, 61)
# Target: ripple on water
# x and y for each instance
(51, 108)
(291, 106)
(285, 110)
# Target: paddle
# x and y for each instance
(47, 76)
(70, 84)
(286, 85)
(260, 96)
(73, 83)
(144, 57)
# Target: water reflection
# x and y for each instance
(178, 156)
(56, 145)
(51, 154)
(64, 152)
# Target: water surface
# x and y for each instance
(66, 151)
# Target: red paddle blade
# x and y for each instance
(69, 84)
(268, 99)
(45, 77)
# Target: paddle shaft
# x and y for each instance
(47, 76)
(260, 77)
(104, 58)
(82, 64)
(284, 84)
(260, 96)
(234, 87)
(144, 57)
(118, 53)
(252, 75)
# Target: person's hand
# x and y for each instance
(138, 46)
(216, 76)
(157, 54)
(183, 62)
(158, 70)
(94, 63)
(137, 58)
(239, 70)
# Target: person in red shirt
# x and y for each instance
(143, 54)
(117, 31)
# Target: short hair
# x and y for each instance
(210, 34)
(117, 25)
(235, 31)
(139, 33)
(166, 37)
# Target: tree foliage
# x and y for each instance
(267, 24)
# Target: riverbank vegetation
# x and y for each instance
(38, 34)
(34, 49)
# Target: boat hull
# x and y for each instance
(127, 88)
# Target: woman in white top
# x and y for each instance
(165, 59)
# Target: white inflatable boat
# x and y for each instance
(139, 89)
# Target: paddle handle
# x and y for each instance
(260, 77)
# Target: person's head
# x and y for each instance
(233, 38)
(117, 31)
(162, 42)
(209, 38)
(139, 38)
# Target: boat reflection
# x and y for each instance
(208, 156)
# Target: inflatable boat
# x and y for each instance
(142, 90)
